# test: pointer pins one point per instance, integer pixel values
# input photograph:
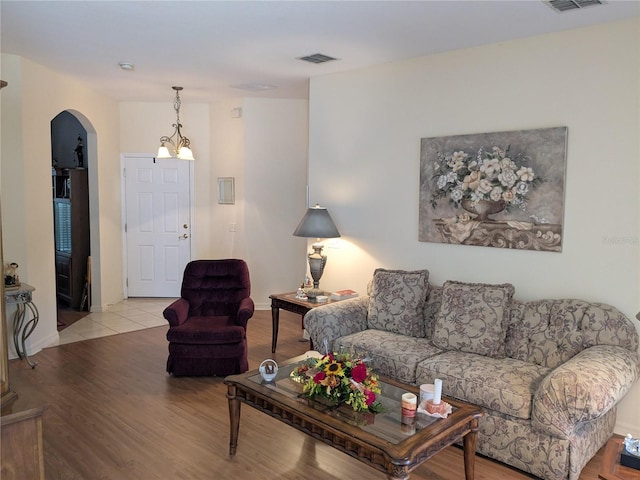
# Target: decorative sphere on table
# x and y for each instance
(268, 369)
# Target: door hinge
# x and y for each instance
(125, 228)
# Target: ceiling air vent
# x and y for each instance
(254, 86)
(562, 6)
(317, 58)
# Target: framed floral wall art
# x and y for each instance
(501, 189)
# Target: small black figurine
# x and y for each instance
(79, 152)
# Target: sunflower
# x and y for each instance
(334, 368)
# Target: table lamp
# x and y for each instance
(316, 223)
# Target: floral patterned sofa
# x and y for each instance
(547, 373)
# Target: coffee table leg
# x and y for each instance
(275, 321)
(398, 472)
(234, 419)
(469, 444)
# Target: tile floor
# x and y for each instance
(128, 315)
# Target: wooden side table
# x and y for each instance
(21, 297)
(611, 468)
(289, 302)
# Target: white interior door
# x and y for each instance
(158, 225)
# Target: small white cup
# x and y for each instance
(426, 392)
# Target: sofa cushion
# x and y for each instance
(198, 330)
(431, 309)
(397, 301)
(603, 324)
(391, 354)
(504, 385)
(546, 332)
(473, 318)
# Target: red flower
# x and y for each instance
(319, 377)
(370, 397)
(359, 373)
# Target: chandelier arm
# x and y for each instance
(164, 139)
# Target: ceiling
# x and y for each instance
(207, 46)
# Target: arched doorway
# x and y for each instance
(71, 158)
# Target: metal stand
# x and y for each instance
(20, 296)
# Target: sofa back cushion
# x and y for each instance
(550, 332)
(531, 334)
(606, 325)
(545, 332)
(473, 318)
(431, 309)
(215, 287)
(397, 301)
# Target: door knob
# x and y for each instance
(184, 235)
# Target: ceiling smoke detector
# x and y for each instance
(562, 6)
(317, 58)
(126, 66)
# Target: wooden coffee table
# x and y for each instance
(379, 440)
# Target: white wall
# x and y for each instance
(266, 151)
(35, 95)
(227, 153)
(365, 131)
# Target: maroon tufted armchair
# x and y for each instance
(208, 323)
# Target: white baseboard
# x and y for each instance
(33, 348)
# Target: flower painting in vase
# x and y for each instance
(501, 189)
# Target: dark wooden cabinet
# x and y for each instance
(71, 231)
(63, 275)
(21, 445)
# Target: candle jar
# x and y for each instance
(409, 404)
(426, 392)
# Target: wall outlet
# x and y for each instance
(232, 227)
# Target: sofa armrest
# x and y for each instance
(245, 312)
(177, 312)
(583, 389)
(336, 320)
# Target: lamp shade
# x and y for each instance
(316, 223)
(163, 152)
(185, 153)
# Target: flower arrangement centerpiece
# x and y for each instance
(339, 378)
(487, 176)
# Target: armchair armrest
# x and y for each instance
(177, 312)
(336, 320)
(584, 388)
(245, 312)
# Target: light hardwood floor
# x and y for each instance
(114, 413)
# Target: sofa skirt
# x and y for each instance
(512, 441)
(207, 360)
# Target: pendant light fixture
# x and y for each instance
(180, 145)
